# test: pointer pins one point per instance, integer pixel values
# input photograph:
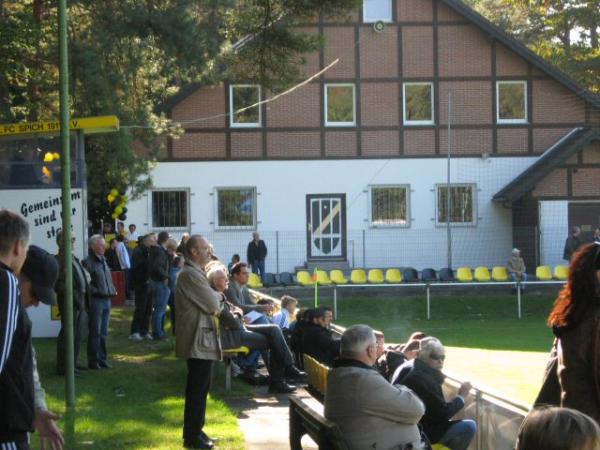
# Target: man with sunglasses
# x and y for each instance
(426, 379)
(27, 277)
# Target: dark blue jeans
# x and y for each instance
(459, 435)
(98, 320)
(159, 293)
(258, 265)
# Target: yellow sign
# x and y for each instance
(54, 312)
(89, 125)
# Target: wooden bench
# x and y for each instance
(227, 357)
(316, 376)
(306, 417)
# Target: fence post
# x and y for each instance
(478, 419)
(428, 302)
(334, 303)
(277, 251)
(519, 298)
(364, 250)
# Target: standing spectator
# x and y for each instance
(572, 243)
(426, 379)
(575, 321)
(288, 309)
(234, 260)
(112, 257)
(158, 270)
(317, 339)
(101, 290)
(175, 265)
(140, 325)
(107, 228)
(257, 252)
(370, 412)
(121, 230)
(133, 234)
(596, 235)
(182, 243)
(81, 304)
(23, 400)
(516, 269)
(124, 261)
(197, 340)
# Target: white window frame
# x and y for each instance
(418, 122)
(508, 121)
(150, 208)
(217, 225)
(473, 222)
(341, 124)
(367, 19)
(232, 122)
(372, 224)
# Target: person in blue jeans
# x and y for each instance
(256, 253)
(158, 289)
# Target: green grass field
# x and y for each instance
(139, 403)
(486, 342)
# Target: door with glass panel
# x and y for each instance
(326, 226)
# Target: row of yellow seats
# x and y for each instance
(316, 373)
(482, 274)
(357, 276)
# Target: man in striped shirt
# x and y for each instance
(23, 407)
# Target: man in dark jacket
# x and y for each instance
(140, 325)
(101, 290)
(425, 378)
(81, 303)
(257, 252)
(158, 289)
(573, 242)
(317, 339)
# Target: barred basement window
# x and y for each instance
(462, 204)
(418, 103)
(170, 209)
(241, 99)
(340, 105)
(390, 206)
(236, 208)
(511, 100)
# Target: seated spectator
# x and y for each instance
(426, 379)
(558, 429)
(288, 308)
(317, 339)
(370, 412)
(516, 269)
(234, 260)
(238, 294)
(397, 358)
(297, 329)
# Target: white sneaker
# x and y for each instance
(147, 336)
(135, 337)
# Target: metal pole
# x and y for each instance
(428, 303)
(65, 165)
(364, 250)
(334, 303)
(277, 251)
(448, 201)
(478, 406)
(519, 299)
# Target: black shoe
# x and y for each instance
(294, 372)
(281, 388)
(200, 442)
(94, 366)
(104, 365)
(207, 438)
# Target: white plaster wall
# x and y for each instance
(282, 187)
(554, 230)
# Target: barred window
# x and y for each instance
(389, 206)
(170, 209)
(418, 103)
(462, 204)
(241, 99)
(511, 101)
(375, 10)
(236, 207)
(340, 105)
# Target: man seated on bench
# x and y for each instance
(317, 339)
(370, 412)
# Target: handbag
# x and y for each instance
(550, 391)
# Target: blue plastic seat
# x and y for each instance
(428, 275)
(446, 274)
(410, 275)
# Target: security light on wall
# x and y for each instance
(379, 26)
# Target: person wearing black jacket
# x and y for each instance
(317, 339)
(140, 325)
(256, 253)
(159, 292)
(101, 290)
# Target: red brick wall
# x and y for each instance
(591, 153)
(293, 144)
(380, 143)
(378, 52)
(205, 102)
(419, 142)
(414, 10)
(246, 144)
(586, 182)
(508, 63)
(379, 104)
(555, 184)
(545, 137)
(446, 14)
(467, 141)
(554, 104)
(199, 146)
(300, 108)
(339, 43)
(463, 51)
(471, 102)
(513, 140)
(340, 143)
(417, 51)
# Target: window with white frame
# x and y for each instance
(418, 103)
(376, 10)
(236, 207)
(389, 205)
(511, 101)
(170, 208)
(241, 99)
(462, 204)
(340, 105)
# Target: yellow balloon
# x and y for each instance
(56, 155)
(110, 198)
(114, 192)
(118, 210)
(114, 215)
(48, 157)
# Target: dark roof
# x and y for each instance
(520, 49)
(552, 158)
(181, 95)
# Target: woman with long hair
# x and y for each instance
(575, 321)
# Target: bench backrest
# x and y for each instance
(316, 374)
(306, 419)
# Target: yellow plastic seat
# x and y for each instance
(375, 276)
(254, 281)
(543, 273)
(464, 274)
(439, 447)
(500, 273)
(304, 278)
(323, 278)
(393, 276)
(240, 350)
(482, 274)
(561, 273)
(337, 277)
(358, 276)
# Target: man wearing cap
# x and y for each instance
(516, 269)
(101, 290)
(23, 406)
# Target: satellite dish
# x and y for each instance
(378, 26)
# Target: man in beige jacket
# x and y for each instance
(370, 412)
(196, 308)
